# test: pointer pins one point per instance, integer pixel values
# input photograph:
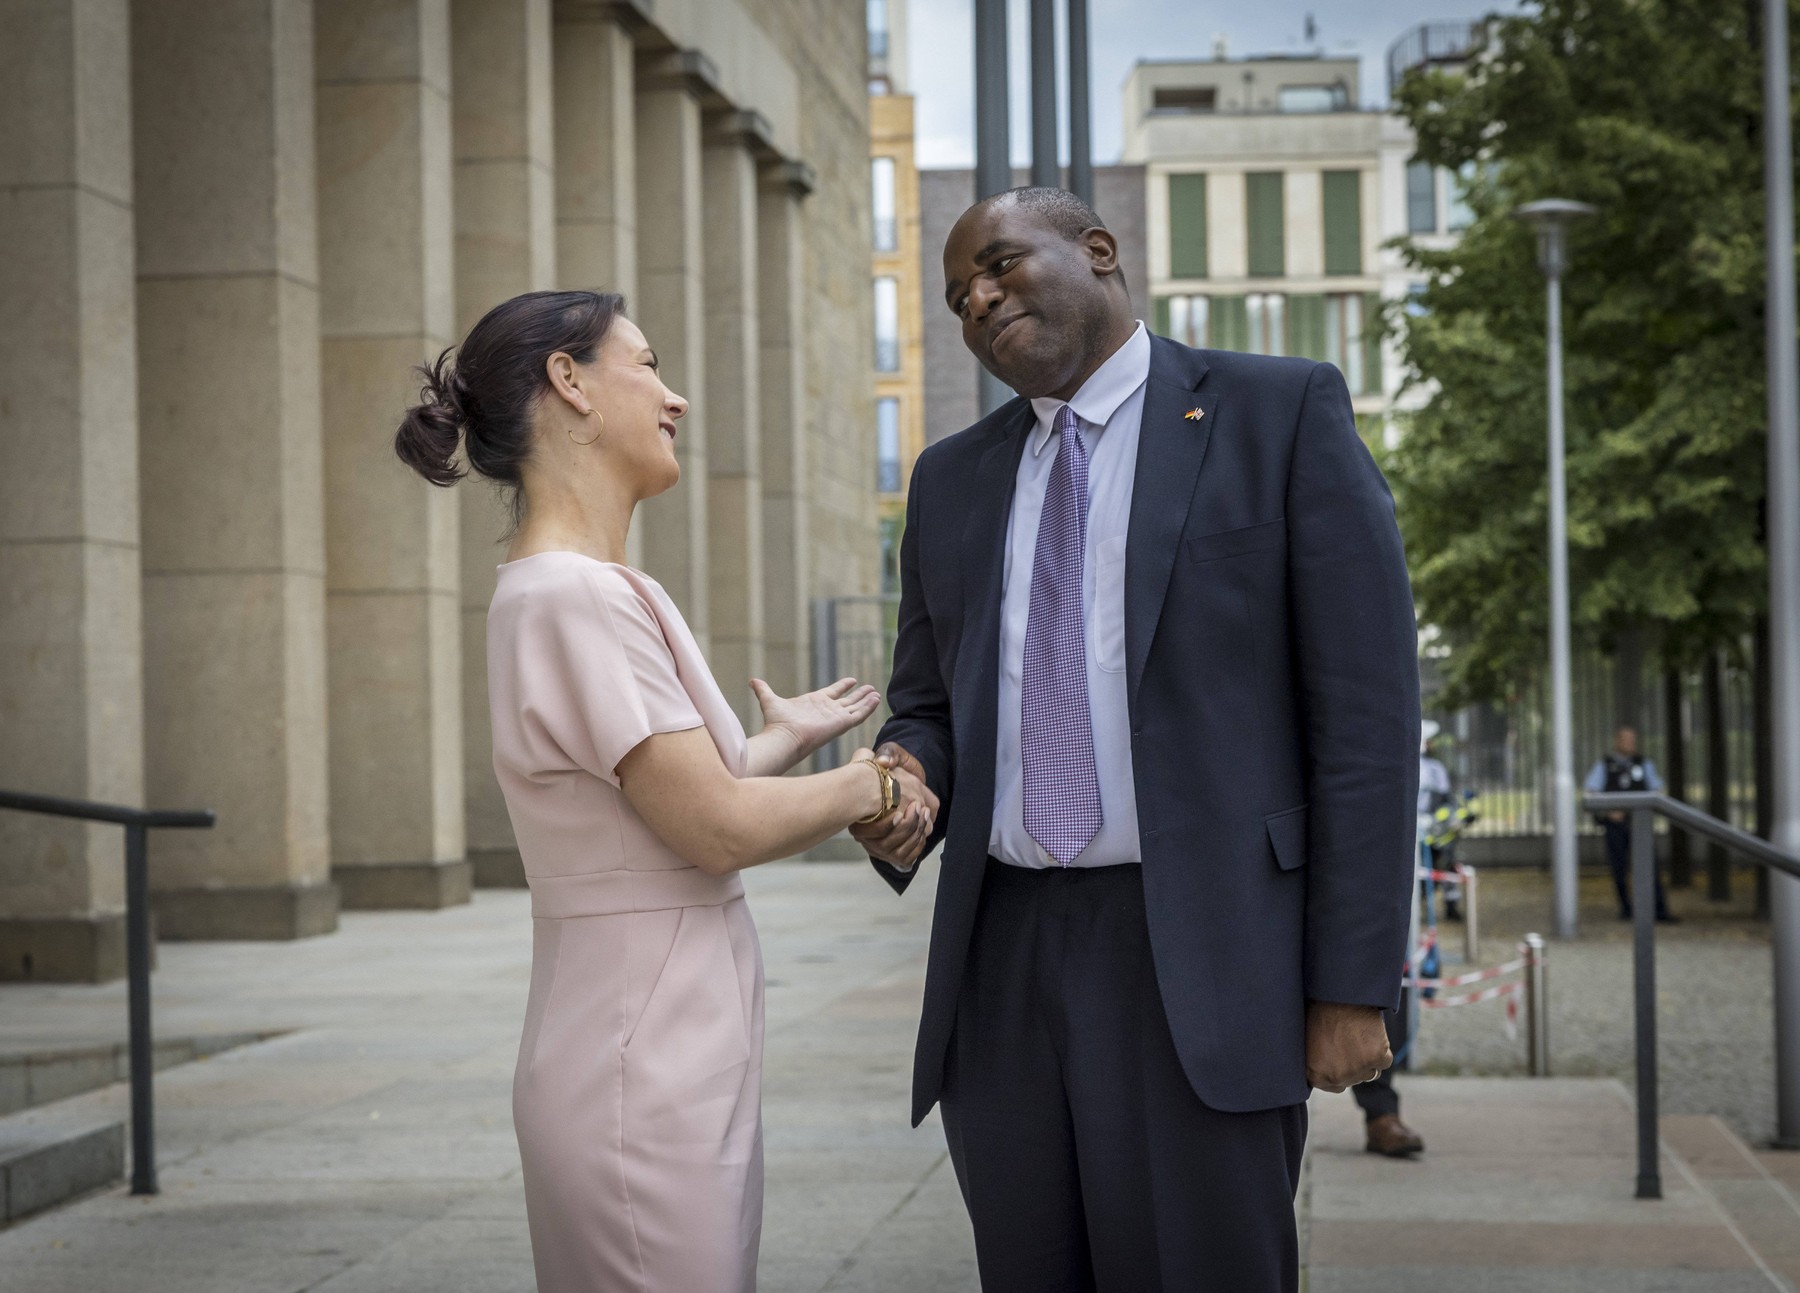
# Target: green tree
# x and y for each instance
(1651, 110)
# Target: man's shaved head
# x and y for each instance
(1060, 209)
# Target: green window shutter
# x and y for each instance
(1230, 323)
(1159, 315)
(1343, 222)
(1266, 212)
(1371, 342)
(1306, 326)
(1187, 226)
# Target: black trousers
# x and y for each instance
(1087, 1162)
(1379, 1097)
(1618, 857)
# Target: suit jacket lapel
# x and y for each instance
(1171, 448)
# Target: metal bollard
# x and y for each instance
(1471, 917)
(1537, 1005)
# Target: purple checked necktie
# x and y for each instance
(1062, 783)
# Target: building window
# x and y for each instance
(1187, 226)
(1228, 323)
(1190, 318)
(1457, 213)
(887, 324)
(1344, 338)
(890, 554)
(1266, 318)
(1421, 198)
(1266, 215)
(1343, 222)
(1184, 98)
(878, 29)
(881, 173)
(887, 445)
(1313, 98)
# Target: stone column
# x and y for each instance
(671, 309)
(386, 256)
(596, 150)
(733, 397)
(781, 339)
(71, 654)
(505, 245)
(228, 361)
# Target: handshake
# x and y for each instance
(899, 837)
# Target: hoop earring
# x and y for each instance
(597, 434)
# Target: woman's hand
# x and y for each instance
(804, 724)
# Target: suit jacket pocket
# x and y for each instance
(1239, 542)
(1287, 836)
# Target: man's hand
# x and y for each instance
(899, 838)
(1345, 1045)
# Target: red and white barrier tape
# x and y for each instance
(1474, 998)
(1474, 976)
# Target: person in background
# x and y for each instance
(1434, 793)
(1624, 769)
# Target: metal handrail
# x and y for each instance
(1642, 805)
(138, 823)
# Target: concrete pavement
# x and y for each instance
(369, 1146)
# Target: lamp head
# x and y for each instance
(1551, 217)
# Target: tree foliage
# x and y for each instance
(1651, 110)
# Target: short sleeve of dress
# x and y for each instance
(608, 678)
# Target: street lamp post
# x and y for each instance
(1551, 218)
(1784, 562)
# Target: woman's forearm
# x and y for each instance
(774, 752)
(779, 817)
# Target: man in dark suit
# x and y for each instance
(1157, 661)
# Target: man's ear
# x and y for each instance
(1103, 251)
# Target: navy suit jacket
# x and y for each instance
(1271, 658)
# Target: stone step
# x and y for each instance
(37, 1074)
(1758, 1191)
(49, 1156)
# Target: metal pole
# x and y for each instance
(1564, 856)
(1537, 1006)
(993, 141)
(1081, 134)
(1044, 170)
(1643, 959)
(1784, 564)
(137, 968)
(1471, 916)
(824, 668)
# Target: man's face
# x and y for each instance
(1626, 742)
(1032, 301)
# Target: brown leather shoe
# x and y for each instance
(1388, 1135)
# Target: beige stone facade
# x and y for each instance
(228, 230)
(899, 370)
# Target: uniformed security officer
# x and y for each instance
(1624, 769)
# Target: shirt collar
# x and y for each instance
(1100, 396)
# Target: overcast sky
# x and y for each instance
(1124, 31)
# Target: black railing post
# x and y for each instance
(1643, 918)
(137, 969)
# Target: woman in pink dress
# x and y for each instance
(636, 798)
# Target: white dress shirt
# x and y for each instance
(1110, 405)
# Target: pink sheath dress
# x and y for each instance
(637, 1097)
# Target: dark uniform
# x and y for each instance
(1622, 773)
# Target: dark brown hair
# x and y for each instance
(485, 402)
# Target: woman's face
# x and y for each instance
(639, 433)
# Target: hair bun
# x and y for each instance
(431, 431)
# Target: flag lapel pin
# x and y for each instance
(1193, 415)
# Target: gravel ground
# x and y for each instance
(1714, 991)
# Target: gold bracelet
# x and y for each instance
(889, 801)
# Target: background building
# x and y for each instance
(899, 355)
(227, 232)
